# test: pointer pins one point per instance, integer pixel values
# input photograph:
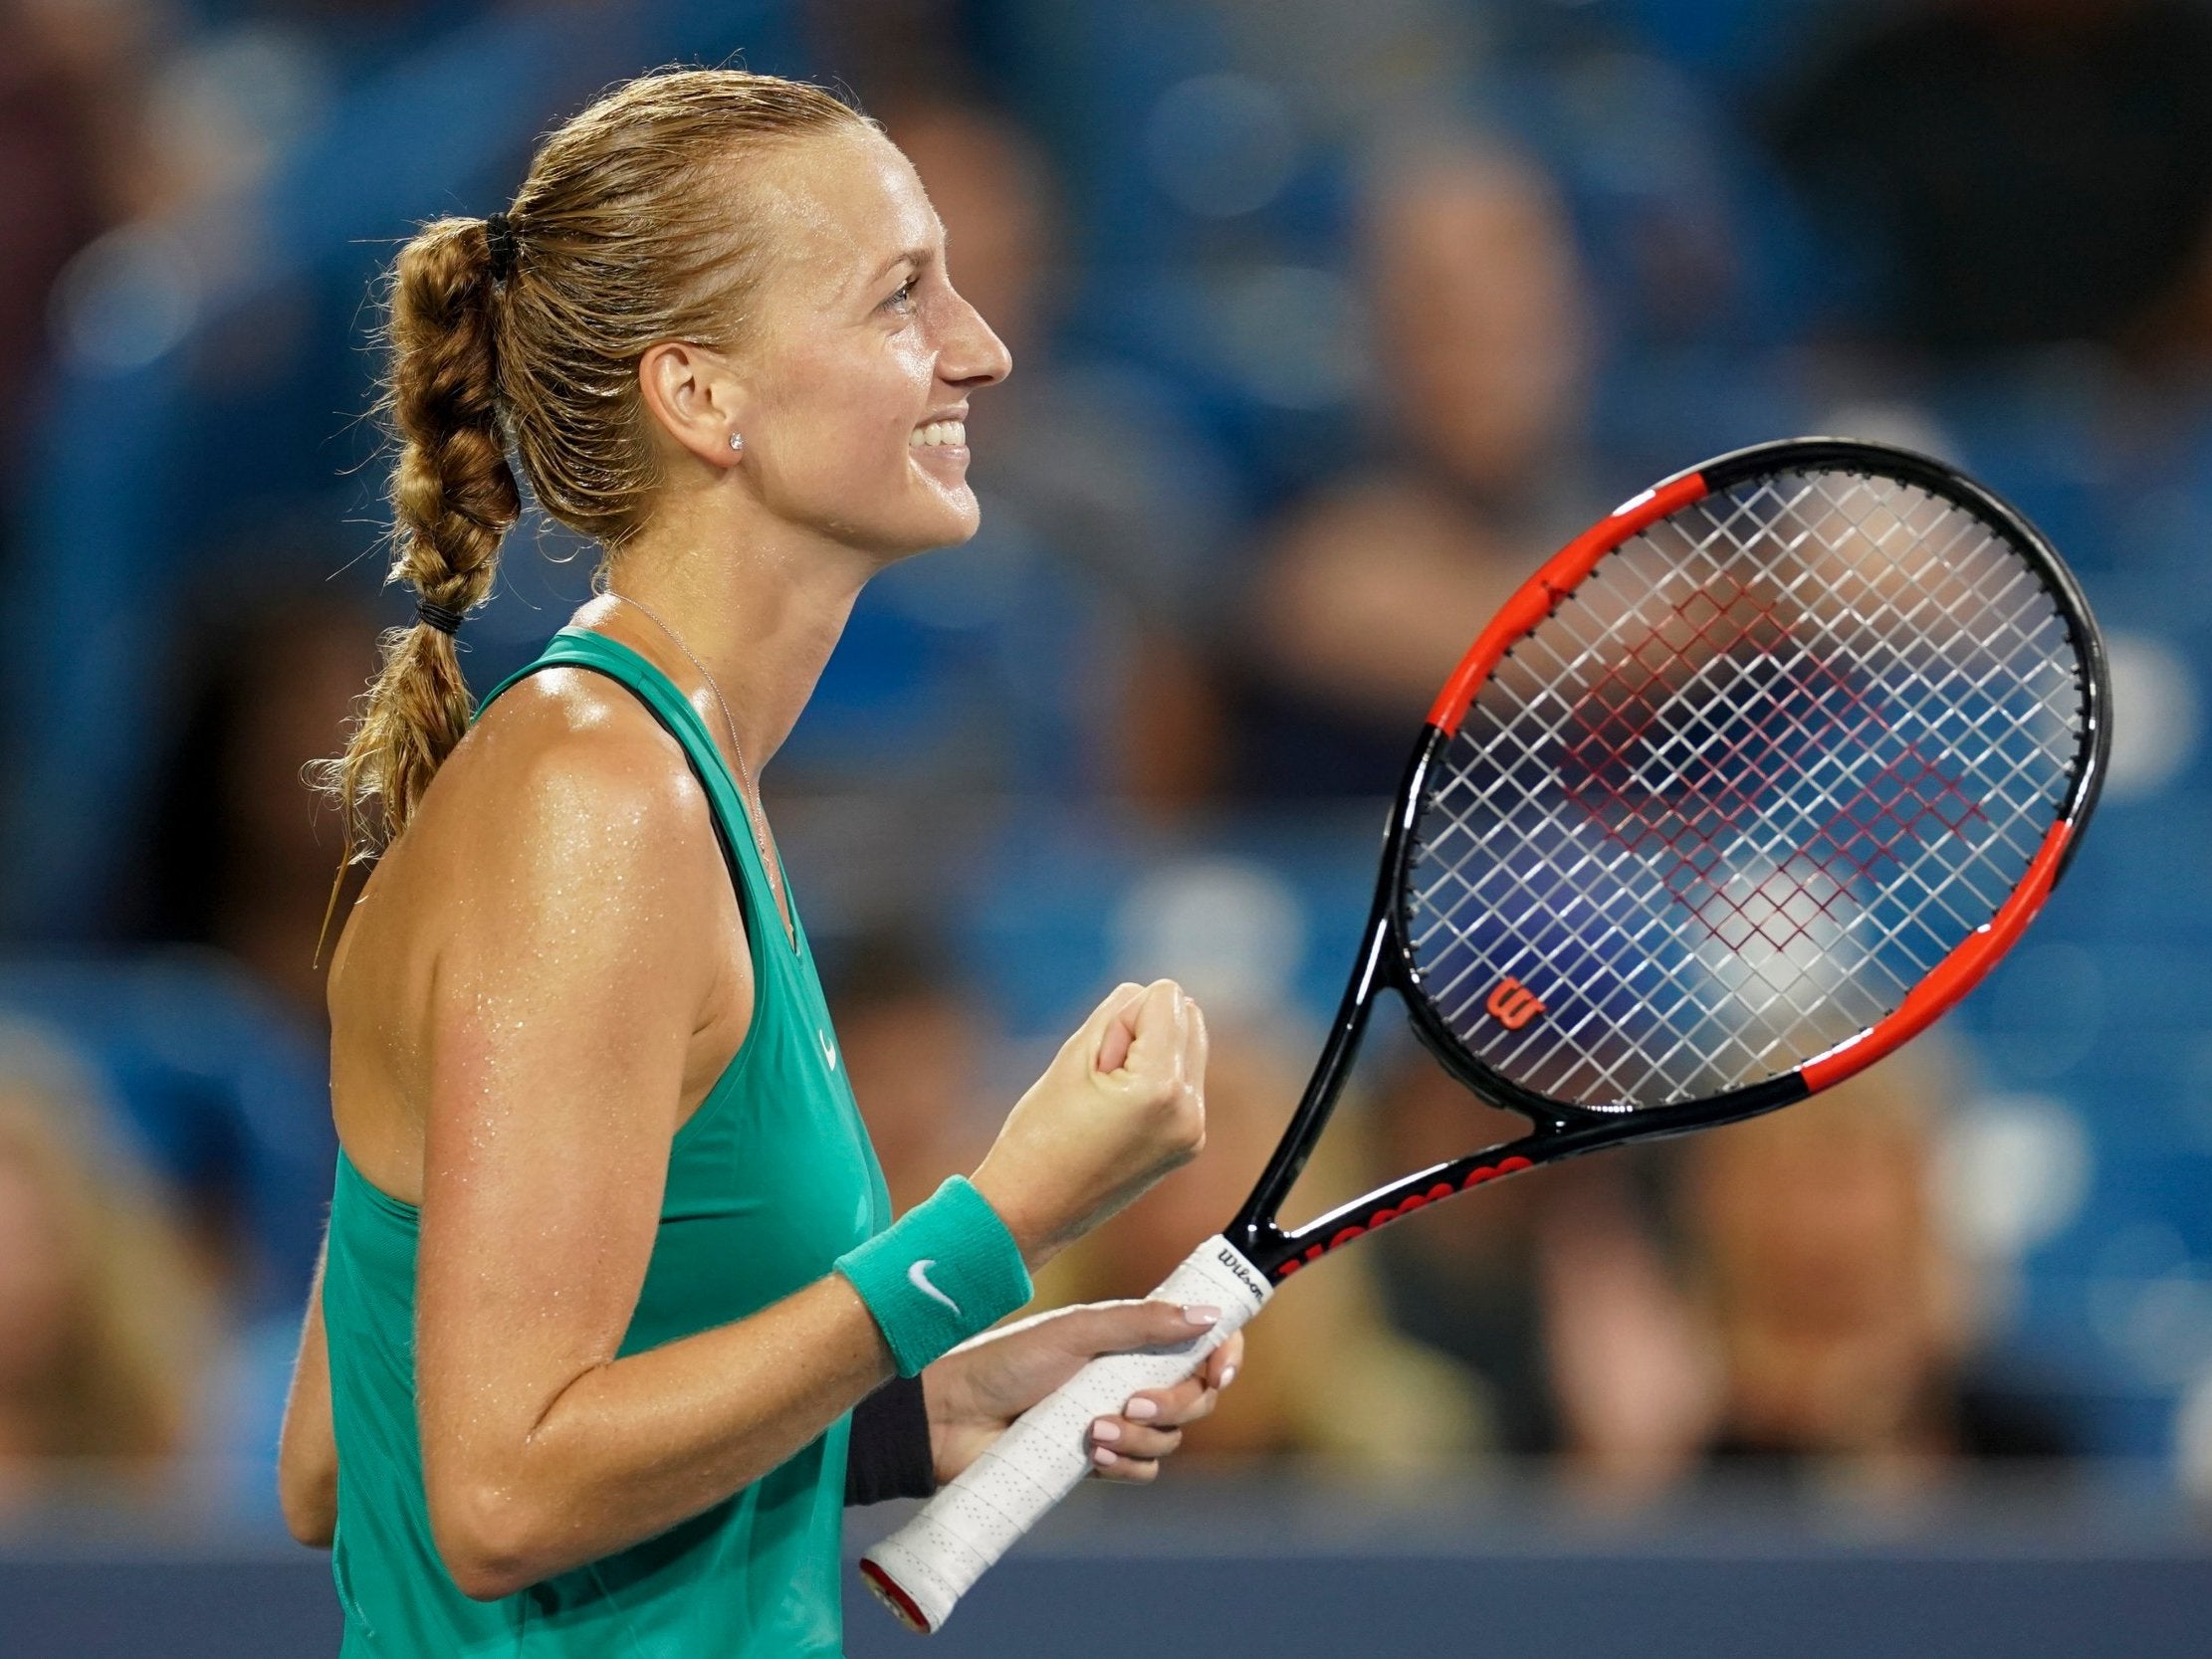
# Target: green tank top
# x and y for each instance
(770, 1180)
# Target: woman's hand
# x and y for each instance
(975, 1392)
(1122, 1104)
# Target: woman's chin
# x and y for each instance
(923, 532)
(964, 527)
(955, 515)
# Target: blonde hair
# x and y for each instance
(624, 236)
(123, 1387)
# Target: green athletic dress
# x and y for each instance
(769, 1182)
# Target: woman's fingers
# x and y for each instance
(1117, 1019)
(1195, 1396)
(1125, 1451)
(1184, 1402)
(1196, 1047)
(1129, 1447)
(1118, 1327)
(1138, 1470)
(1220, 1365)
(1158, 1022)
(1126, 1439)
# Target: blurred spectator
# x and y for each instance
(1080, 470)
(225, 1092)
(70, 73)
(1370, 589)
(2002, 174)
(219, 1054)
(1325, 1372)
(1629, 1367)
(1820, 1322)
(1549, 1289)
(103, 1325)
(1461, 1276)
(242, 853)
(916, 1046)
(1842, 1317)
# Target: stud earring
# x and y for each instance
(736, 441)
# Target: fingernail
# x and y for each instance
(1104, 1458)
(1105, 1429)
(1201, 1315)
(1228, 1376)
(1142, 1409)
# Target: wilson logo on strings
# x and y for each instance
(1512, 1004)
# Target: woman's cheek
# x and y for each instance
(914, 366)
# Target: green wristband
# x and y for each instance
(942, 1272)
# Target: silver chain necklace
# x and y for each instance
(750, 799)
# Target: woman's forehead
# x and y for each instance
(843, 210)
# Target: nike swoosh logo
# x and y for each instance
(919, 1276)
(829, 1049)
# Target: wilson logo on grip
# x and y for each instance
(1512, 1004)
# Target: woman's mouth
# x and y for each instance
(939, 443)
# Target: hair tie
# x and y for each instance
(438, 616)
(498, 232)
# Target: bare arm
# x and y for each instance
(585, 951)
(562, 1009)
(630, 1447)
(306, 1449)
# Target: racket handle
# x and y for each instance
(921, 1570)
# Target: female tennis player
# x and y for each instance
(614, 1319)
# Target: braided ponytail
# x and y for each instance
(453, 497)
(633, 226)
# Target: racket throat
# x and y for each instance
(1254, 1231)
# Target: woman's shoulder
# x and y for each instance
(571, 710)
(564, 737)
(565, 774)
(563, 832)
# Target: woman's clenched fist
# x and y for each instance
(1122, 1104)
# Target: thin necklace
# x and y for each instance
(751, 797)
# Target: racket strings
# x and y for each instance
(1742, 789)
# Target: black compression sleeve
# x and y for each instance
(889, 1455)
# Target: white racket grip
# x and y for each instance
(921, 1570)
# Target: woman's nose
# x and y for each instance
(972, 356)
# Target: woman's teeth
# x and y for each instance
(937, 432)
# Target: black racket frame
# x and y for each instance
(1561, 1130)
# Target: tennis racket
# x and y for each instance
(1744, 788)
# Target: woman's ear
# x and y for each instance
(692, 395)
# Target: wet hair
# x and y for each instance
(633, 227)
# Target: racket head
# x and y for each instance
(1746, 786)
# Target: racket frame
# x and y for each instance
(1562, 1129)
(923, 1570)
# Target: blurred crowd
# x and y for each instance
(1328, 323)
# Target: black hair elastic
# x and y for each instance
(499, 231)
(444, 620)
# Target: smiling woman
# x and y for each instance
(613, 1318)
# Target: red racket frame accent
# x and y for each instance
(1953, 977)
(1560, 577)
